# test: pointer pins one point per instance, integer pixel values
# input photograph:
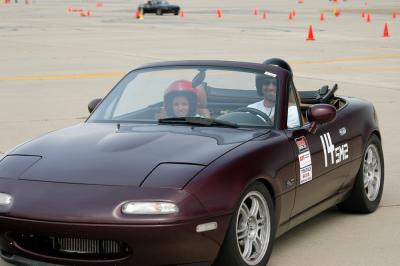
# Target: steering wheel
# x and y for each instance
(255, 112)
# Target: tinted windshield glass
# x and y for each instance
(242, 97)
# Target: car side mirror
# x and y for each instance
(93, 104)
(320, 114)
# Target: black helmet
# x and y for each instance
(279, 63)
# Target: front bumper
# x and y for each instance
(167, 244)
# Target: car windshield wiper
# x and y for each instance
(198, 121)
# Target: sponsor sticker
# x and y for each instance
(304, 159)
(305, 174)
(302, 144)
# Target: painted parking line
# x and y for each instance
(349, 69)
(116, 74)
(119, 74)
(346, 59)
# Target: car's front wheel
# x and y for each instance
(367, 191)
(251, 233)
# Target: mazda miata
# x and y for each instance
(189, 162)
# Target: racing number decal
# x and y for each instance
(337, 154)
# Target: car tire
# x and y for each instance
(251, 232)
(367, 190)
(176, 12)
(159, 12)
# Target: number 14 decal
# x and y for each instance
(337, 154)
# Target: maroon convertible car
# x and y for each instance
(189, 163)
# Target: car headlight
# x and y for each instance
(5, 202)
(149, 208)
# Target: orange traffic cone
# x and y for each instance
(290, 16)
(219, 13)
(182, 14)
(255, 12)
(310, 36)
(264, 15)
(322, 17)
(99, 4)
(300, 1)
(293, 13)
(394, 15)
(386, 33)
(363, 14)
(369, 17)
(137, 15)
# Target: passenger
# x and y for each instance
(182, 100)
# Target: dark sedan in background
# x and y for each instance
(203, 162)
(159, 7)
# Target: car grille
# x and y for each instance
(72, 248)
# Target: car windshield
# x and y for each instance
(214, 96)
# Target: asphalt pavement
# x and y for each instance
(53, 62)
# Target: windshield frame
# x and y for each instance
(281, 76)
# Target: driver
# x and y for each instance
(266, 87)
(182, 100)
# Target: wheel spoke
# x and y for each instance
(371, 190)
(241, 233)
(366, 181)
(254, 207)
(257, 244)
(369, 155)
(244, 210)
(248, 248)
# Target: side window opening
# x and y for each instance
(293, 113)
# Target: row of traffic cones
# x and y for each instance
(81, 11)
(7, 2)
(292, 14)
(310, 36)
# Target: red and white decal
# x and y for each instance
(304, 159)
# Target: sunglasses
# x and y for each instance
(270, 81)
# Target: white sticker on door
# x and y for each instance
(304, 159)
(305, 174)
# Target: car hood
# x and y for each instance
(109, 154)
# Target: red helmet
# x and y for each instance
(180, 85)
(181, 88)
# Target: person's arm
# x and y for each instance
(293, 120)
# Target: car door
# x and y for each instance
(321, 166)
